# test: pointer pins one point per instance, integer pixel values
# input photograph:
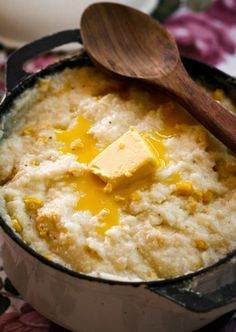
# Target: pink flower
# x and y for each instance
(200, 37)
(32, 66)
(28, 320)
(224, 10)
(40, 62)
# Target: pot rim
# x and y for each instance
(26, 83)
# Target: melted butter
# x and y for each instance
(86, 149)
(172, 179)
(174, 118)
(155, 142)
(97, 201)
(93, 198)
(103, 204)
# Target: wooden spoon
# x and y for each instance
(132, 44)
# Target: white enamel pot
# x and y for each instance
(88, 304)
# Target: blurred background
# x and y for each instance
(24, 20)
(204, 30)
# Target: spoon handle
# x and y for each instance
(220, 122)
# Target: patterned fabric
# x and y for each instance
(204, 30)
(209, 36)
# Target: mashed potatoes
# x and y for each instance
(177, 220)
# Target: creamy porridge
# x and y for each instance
(110, 179)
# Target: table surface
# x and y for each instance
(204, 30)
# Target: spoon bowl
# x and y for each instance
(125, 55)
(129, 43)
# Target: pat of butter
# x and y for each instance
(127, 159)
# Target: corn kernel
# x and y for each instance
(33, 203)
(192, 205)
(197, 194)
(201, 244)
(73, 108)
(48, 225)
(28, 131)
(184, 188)
(44, 84)
(33, 162)
(218, 94)
(17, 226)
(207, 196)
(172, 179)
(48, 256)
(121, 145)
(26, 240)
(135, 196)
(43, 139)
(42, 229)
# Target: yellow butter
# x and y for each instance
(128, 158)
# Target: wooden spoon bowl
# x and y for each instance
(131, 44)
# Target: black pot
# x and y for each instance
(192, 300)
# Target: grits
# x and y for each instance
(180, 219)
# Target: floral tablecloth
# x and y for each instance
(205, 30)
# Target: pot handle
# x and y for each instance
(14, 69)
(206, 291)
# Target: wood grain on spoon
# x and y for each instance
(132, 44)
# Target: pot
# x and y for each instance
(84, 303)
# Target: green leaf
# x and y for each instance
(165, 8)
(4, 304)
(199, 5)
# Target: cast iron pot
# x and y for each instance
(88, 304)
